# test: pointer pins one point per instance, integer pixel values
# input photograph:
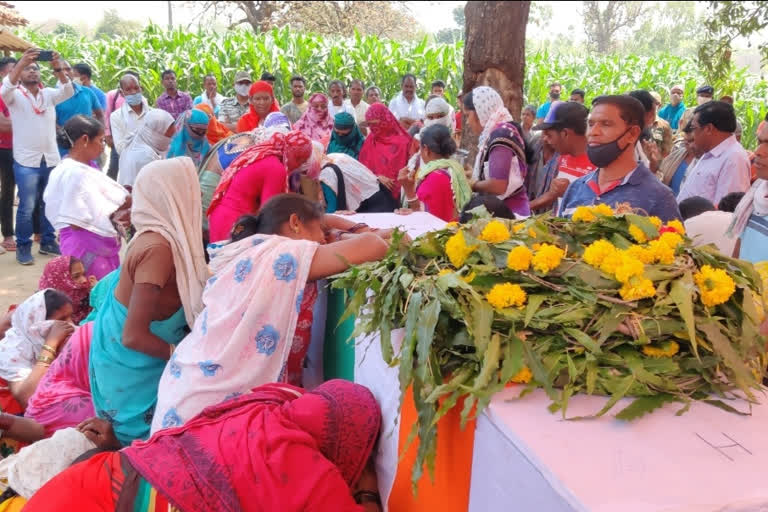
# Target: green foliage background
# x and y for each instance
(381, 62)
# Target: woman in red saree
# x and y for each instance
(276, 448)
(387, 149)
(255, 176)
(262, 100)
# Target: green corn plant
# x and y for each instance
(381, 62)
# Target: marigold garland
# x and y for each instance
(715, 285)
(524, 376)
(519, 258)
(457, 250)
(637, 288)
(506, 295)
(667, 349)
(596, 252)
(547, 258)
(637, 233)
(495, 232)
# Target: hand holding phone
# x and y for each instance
(45, 56)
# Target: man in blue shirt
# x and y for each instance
(83, 102)
(673, 111)
(81, 74)
(554, 95)
(614, 126)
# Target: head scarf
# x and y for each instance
(385, 150)
(293, 144)
(146, 144)
(57, 275)
(251, 119)
(754, 202)
(279, 436)
(359, 182)
(186, 143)
(24, 340)
(167, 201)
(216, 130)
(316, 126)
(490, 111)
(277, 121)
(350, 143)
(438, 106)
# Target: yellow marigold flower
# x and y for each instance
(451, 225)
(715, 285)
(655, 221)
(524, 376)
(661, 252)
(603, 209)
(457, 250)
(531, 233)
(630, 267)
(637, 288)
(583, 214)
(536, 247)
(547, 258)
(495, 232)
(469, 277)
(519, 258)
(506, 295)
(677, 226)
(641, 254)
(597, 251)
(445, 271)
(518, 227)
(671, 239)
(637, 233)
(611, 262)
(666, 349)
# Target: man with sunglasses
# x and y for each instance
(724, 164)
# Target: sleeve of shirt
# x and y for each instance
(153, 266)
(541, 112)
(8, 91)
(63, 92)
(500, 166)
(118, 131)
(95, 105)
(735, 176)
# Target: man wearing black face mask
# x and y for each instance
(554, 94)
(614, 126)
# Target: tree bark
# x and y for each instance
(494, 55)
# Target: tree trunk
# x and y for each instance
(494, 55)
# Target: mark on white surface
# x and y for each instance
(721, 448)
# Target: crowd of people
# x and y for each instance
(137, 367)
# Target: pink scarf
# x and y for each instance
(316, 126)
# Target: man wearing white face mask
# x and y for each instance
(704, 94)
(232, 109)
(673, 111)
(126, 120)
(436, 111)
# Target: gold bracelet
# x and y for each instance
(50, 349)
(47, 365)
(42, 358)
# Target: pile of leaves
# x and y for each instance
(607, 304)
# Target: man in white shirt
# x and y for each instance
(337, 103)
(126, 120)
(406, 106)
(360, 107)
(35, 152)
(210, 95)
(724, 164)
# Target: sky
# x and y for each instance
(432, 15)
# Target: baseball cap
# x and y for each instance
(564, 114)
(242, 75)
(706, 89)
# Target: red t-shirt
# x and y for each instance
(6, 139)
(458, 121)
(574, 167)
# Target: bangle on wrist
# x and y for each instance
(367, 497)
(50, 349)
(42, 358)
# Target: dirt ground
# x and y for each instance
(17, 282)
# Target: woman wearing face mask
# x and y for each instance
(149, 143)
(262, 100)
(439, 187)
(190, 139)
(502, 158)
(79, 200)
(346, 137)
(673, 111)
(316, 123)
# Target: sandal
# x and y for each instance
(8, 245)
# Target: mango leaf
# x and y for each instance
(409, 342)
(482, 316)
(424, 335)
(643, 405)
(731, 358)
(534, 301)
(681, 292)
(585, 340)
(490, 363)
